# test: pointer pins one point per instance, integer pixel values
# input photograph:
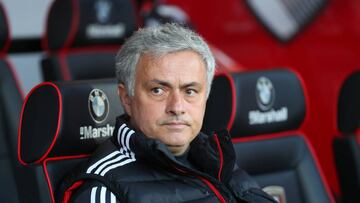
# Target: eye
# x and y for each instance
(191, 92)
(157, 91)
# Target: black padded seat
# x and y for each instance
(286, 161)
(263, 110)
(347, 145)
(10, 105)
(83, 36)
(246, 112)
(61, 125)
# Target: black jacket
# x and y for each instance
(130, 167)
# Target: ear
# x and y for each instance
(124, 98)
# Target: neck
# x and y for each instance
(178, 150)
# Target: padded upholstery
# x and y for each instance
(263, 111)
(347, 158)
(347, 145)
(348, 106)
(83, 36)
(67, 124)
(284, 161)
(242, 112)
(10, 103)
(61, 124)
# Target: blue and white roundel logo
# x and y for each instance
(103, 8)
(265, 93)
(98, 105)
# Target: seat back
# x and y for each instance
(347, 145)
(10, 104)
(263, 111)
(83, 36)
(61, 124)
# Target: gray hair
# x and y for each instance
(159, 41)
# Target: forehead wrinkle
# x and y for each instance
(160, 82)
(150, 63)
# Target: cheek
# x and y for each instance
(146, 114)
(197, 112)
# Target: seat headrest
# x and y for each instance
(67, 118)
(4, 30)
(348, 106)
(253, 103)
(76, 23)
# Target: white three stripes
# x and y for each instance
(93, 195)
(101, 161)
(113, 160)
(102, 195)
(116, 158)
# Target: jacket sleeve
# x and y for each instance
(94, 193)
(246, 189)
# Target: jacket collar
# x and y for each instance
(204, 152)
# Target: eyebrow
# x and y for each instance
(168, 84)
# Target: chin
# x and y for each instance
(176, 142)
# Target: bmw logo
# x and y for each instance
(265, 93)
(98, 105)
(103, 8)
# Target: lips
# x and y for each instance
(176, 123)
(177, 126)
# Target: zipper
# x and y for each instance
(221, 157)
(206, 181)
(213, 188)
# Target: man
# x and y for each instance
(157, 153)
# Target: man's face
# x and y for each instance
(169, 99)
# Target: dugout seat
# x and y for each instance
(263, 111)
(61, 124)
(347, 145)
(16, 182)
(82, 38)
(10, 104)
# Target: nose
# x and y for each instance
(175, 104)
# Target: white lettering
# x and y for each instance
(105, 31)
(88, 132)
(256, 117)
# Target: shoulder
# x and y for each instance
(243, 179)
(94, 192)
(107, 158)
(246, 188)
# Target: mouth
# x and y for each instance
(176, 125)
